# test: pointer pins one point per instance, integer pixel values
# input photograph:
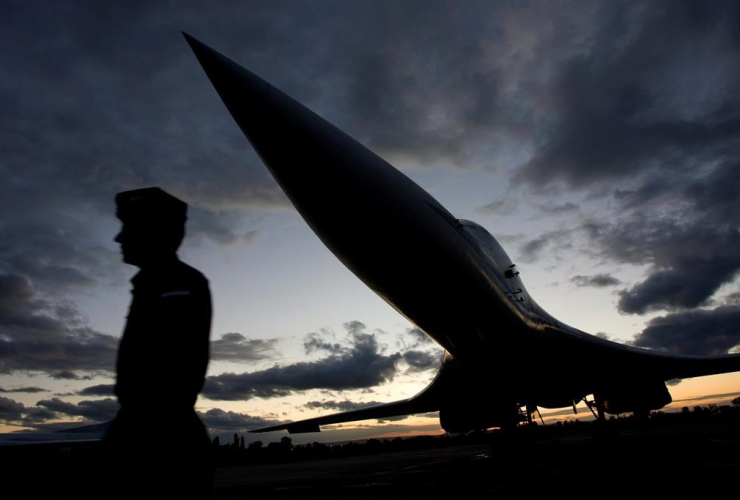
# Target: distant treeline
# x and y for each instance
(236, 452)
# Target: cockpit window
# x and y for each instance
(487, 245)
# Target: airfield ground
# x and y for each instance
(684, 461)
(694, 455)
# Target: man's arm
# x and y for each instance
(183, 341)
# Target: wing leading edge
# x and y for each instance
(430, 399)
(405, 407)
(674, 366)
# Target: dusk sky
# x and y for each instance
(597, 141)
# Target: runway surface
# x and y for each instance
(691, 456)
(681, 460)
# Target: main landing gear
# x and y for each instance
(596, 407)
(527, 412)
(602, 428)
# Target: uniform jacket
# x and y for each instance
(163, 354)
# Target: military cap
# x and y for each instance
(149, 205)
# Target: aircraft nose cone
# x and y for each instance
(261, 111)
(310, 158)
(360, 206)
(330, 178)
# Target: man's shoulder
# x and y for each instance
(188, 276)
(179, 278)
(171, 279)
(186, 271)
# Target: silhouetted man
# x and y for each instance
(157, 443)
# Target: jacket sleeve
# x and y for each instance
(184, 330)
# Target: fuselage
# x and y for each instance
(450, 277)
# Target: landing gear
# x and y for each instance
(602, 430)
(527, 412)
(597, 408)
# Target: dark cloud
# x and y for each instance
(316, 342)
(532, 248)
(697, 332)
(567, 92)
(673, 289)
(419, 336)
(340, 405)
(10, 410)
(55, 252)
(419, 361)
(550, 241)
(221, 226)
(499, 207)
(358, 366)
(97, 390)
(655, 85)
(37, 417)
(236, 348)
(691, 246)
(393, 83)
(437, 84)
(132, 113)
(39, 336)
(99, 411)
(558, 208)
(418, 349)
(68, 375)
(218, 420)
(684, 227)
(596, 280)
(121, 119)
(648, 111)
(640, 102)
(29, 390)
(17, 414)
(92, 410)
(355, 328)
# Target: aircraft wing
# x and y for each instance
(405, 407)
(430, 399)
(677, 366)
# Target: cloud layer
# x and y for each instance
(46, 413)
(630, 108)
(597, 280)
(698, 332)
(361, 364)
(47, 336)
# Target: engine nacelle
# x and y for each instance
(472, 417)
(635, 396)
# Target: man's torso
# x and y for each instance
(163, 354)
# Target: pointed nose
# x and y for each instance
(309, 157)
(275, 124)
(334, 181)
(378, 222)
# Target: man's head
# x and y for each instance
(153, 225)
